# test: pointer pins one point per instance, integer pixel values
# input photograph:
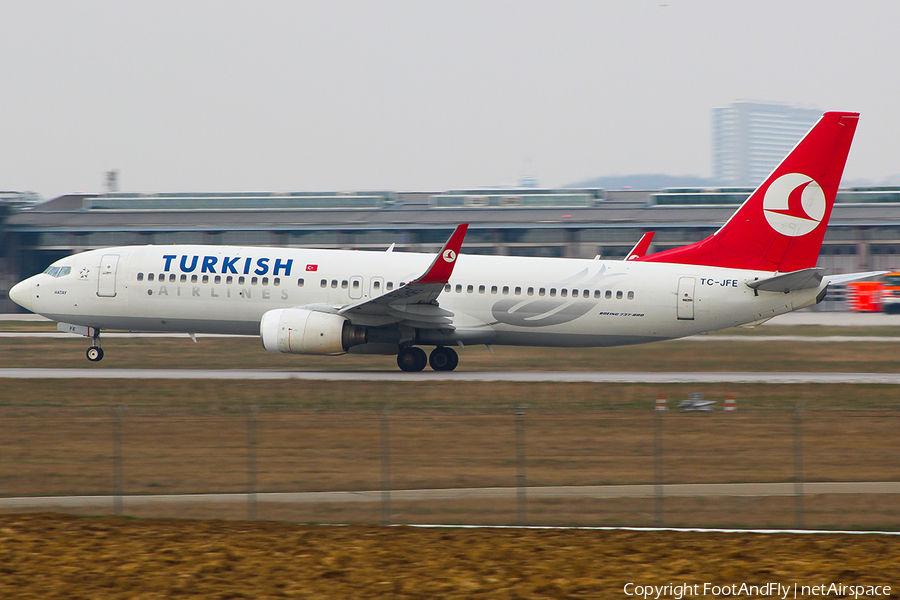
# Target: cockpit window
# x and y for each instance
(58, 271)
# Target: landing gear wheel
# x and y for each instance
(412, 359)
(443, 359)
(95, 354)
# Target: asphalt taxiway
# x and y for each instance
(596, 492)
(460, 376)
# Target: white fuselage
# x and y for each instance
(494, 299)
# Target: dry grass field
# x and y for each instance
(56, 438)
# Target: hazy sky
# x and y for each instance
(401, 95)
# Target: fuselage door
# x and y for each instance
(356, 287)
(106, 281)
(686, 298)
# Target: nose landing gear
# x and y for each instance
(95, 352)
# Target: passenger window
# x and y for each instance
(254, 280)
(505, 290)
(276, 282)
(631, 295)
(140, 277)
(619, 295)
(480, 289)
(552, 292)
(183, 278)
(193, 279)
(300, 282)
(356, 284)
(150, 276)
(218, 279)
(334, 284)
(597, 293)
(401, 284)
(241, 280)
(518, 291)
(344, 284)
(448, 287)
(574, 293)
(265, 281)
(531, 291)
(470, 289)
(229, 280)
(375, 284)
(586, 294)
(162, 277)
(390, 285)
(564, 292)
(323, 283)
(172, 278)
(542, 292)
(459, 288)
(206, 279)
(608, 294)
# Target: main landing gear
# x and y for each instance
(414, 359)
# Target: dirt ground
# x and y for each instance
(48, 556)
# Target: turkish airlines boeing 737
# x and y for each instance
(759, 264)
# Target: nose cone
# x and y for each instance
(21, 294)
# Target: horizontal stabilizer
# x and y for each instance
(848, 277)
(790, 282)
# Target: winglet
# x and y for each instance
(640, 249)
(442, 266)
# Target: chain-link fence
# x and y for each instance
(748, 468)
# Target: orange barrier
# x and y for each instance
(864, 296)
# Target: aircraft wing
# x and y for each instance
(414, 304)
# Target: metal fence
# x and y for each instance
(747, 468)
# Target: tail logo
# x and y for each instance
(794, 204)
(449, 255)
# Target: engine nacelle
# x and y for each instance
(301, 331)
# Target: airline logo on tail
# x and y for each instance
(794, 204)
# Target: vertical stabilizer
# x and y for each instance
(781, 225)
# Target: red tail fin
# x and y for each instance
(781, 225)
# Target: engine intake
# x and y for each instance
(301, 331)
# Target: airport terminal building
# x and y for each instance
(864, 233)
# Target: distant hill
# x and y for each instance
(644, 181)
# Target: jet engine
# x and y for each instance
(301, 331)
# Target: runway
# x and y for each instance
(596, 492)
(459, 376)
